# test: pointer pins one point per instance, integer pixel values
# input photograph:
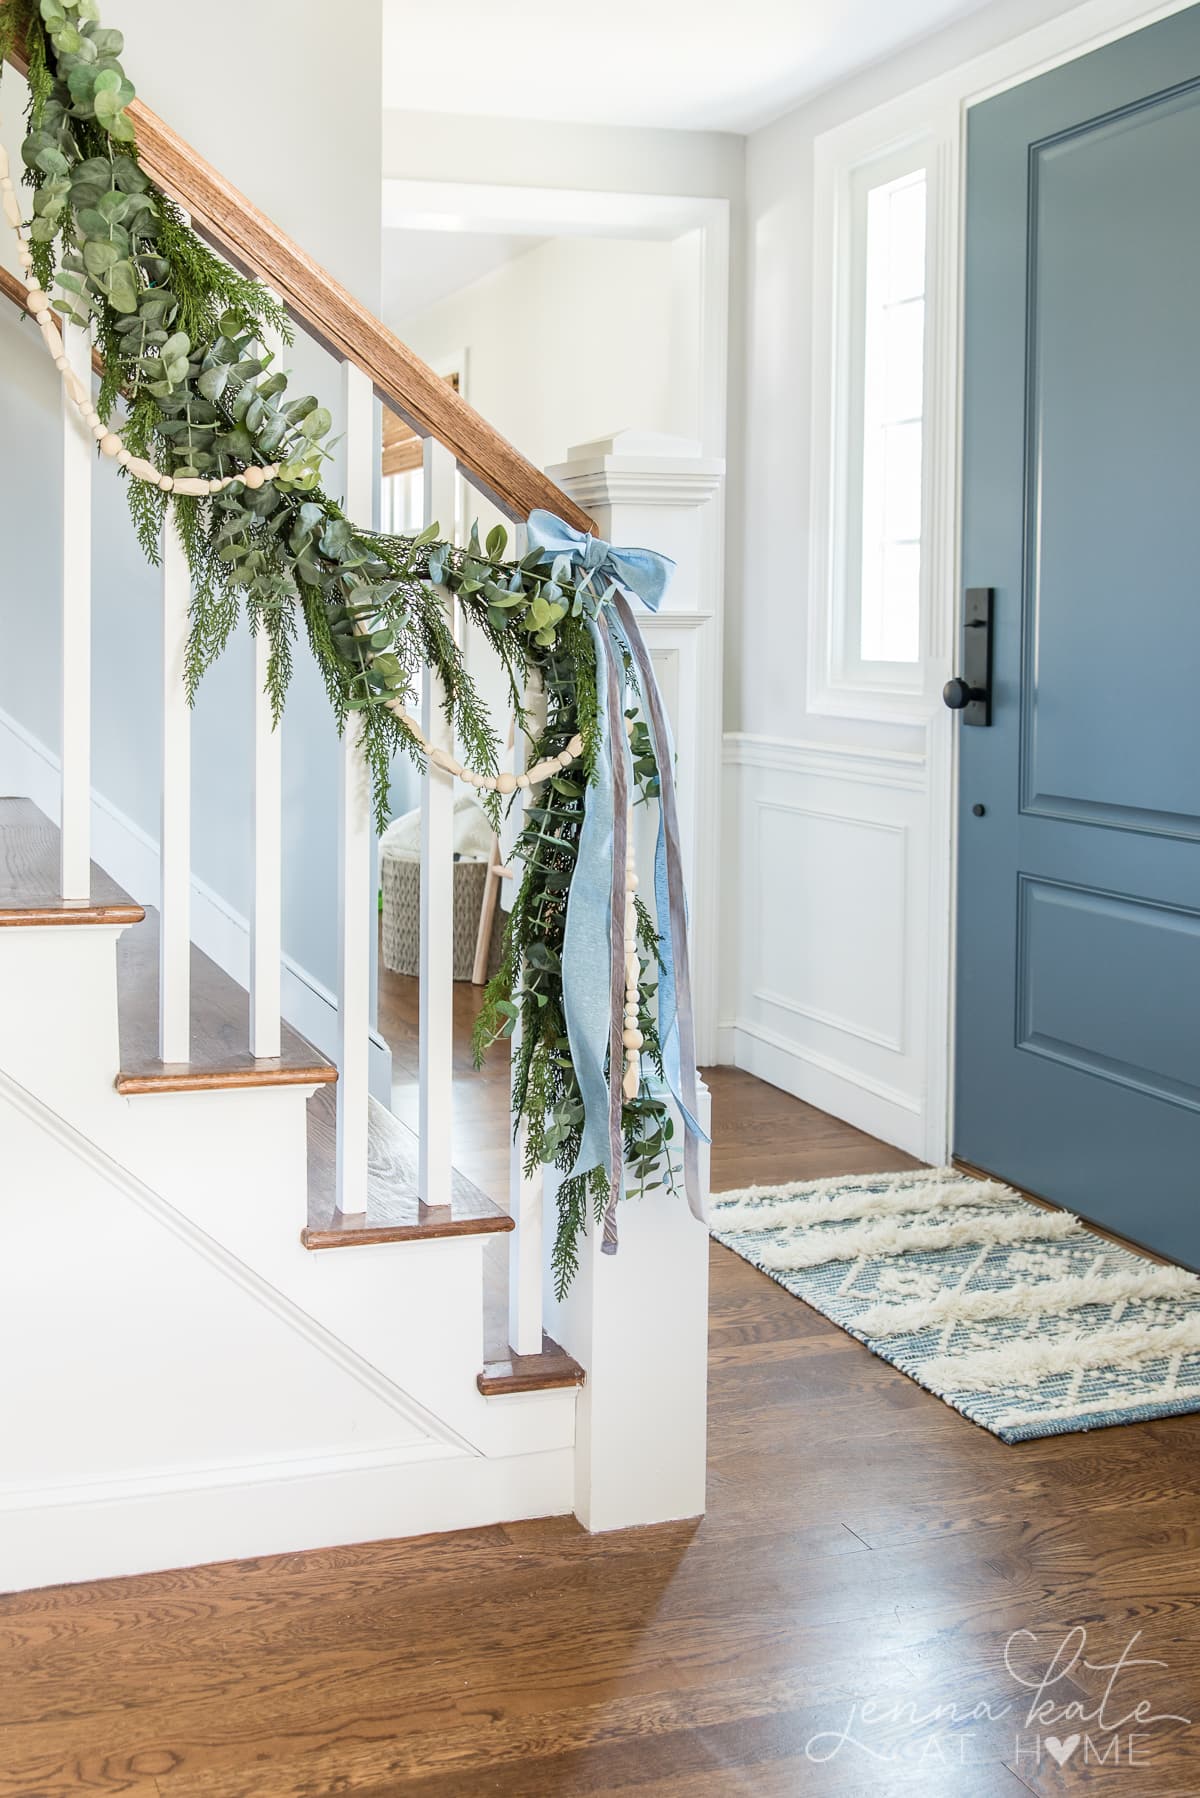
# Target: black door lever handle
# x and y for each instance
(971, 691)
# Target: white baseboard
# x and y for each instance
(881, 1111)
(146, 1526)
(126, 852)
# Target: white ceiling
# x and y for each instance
(422, 267)
(703, 65)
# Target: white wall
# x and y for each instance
(437, 147)
(832, 994)
(324, 189)
(576, 339)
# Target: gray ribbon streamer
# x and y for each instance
(689, 1078)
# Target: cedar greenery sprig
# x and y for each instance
(186, 343)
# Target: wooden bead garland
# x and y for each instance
(37, 302)
(631, 1036)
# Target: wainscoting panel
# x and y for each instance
(830, 983)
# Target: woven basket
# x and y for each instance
(401, 878)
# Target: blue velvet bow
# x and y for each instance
(641, 573)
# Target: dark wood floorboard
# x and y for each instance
(863, 1545)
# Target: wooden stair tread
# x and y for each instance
(547, 1372)
(395, 1212)
(30, 887)
(220, 1045)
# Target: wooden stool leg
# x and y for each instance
(487, 914)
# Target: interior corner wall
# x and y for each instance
(301, 134)
(563, 350)
(831, 997)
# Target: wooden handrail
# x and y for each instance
(15, 290)
(326, 309)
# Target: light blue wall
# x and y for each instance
(285, 103)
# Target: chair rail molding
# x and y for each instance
(648, 488)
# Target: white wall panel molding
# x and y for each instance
(902, 768)
(834, 1086)
(827, 958)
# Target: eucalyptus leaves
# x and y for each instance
(209, 430)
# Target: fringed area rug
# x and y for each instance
(1021, 1318)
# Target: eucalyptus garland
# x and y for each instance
(187, 364)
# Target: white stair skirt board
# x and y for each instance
(173, 1408)
(127, 852)
(233, 1164)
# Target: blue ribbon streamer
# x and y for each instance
(639, 574)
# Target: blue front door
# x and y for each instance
(1078, 1002)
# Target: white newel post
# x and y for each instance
(638, 1320)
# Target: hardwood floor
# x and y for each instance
(864, 1545)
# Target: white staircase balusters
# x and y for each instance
(266, 923)
(525, 1192)
(175, 930)
(79, 454)
(356, 915)
(435, 1126)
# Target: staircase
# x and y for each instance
(192, 1375)
(208, 1184)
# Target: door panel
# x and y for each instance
(1078, 1026)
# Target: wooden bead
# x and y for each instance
(632, 1039)
(167, 483)
(575, 747)
(143, 470)
(110, 444)
(441, 758)
(191, 485)
(37, 302)
(61, 364)
(124, 459)
(632, 1080)
(99, 430)
(12, 210)
(253, 477)
(506, 783)
(523, 783)
(631, 881)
